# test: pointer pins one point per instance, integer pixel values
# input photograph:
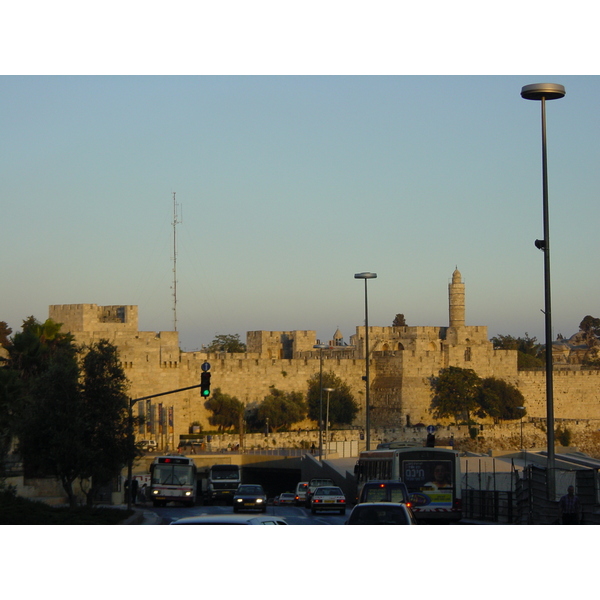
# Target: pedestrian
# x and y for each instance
(570, 507)
(134, 490)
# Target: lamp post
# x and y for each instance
(328, 390)
(543, 92)
(320, 348)
(366, 276)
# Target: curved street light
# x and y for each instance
(543, 92)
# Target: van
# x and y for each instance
(384, 491)
(301, 492)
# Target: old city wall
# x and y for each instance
(403, 361)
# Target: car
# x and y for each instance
(313, 484)
(228, 519)
(328, 498)
(301, 492)
(147, 445)
(287, 498)
(384, 491)
(250, 496)
(381, 513)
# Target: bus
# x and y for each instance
(432, 476)
(173, 479)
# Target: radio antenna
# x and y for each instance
(175, 223)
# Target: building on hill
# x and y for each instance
(402, 361)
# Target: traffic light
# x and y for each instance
(205, 384)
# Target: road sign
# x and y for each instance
(205, 366)
(431, 429)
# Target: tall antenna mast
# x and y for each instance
(175, 223)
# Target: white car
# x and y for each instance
(328, 498)
(229, 519)
(381, 513)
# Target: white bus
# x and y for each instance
(172, 479)
(432, 476)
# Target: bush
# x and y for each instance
(15, 510)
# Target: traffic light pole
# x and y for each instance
(132, 402)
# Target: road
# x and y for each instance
(294, 515)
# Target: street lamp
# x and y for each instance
(320, 348)
(543, 92)
(367, 276)
(328, 390)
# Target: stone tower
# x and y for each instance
(456, 293)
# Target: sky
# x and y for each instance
(293, 168)
(285, 187)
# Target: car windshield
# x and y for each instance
(249, 489)
(378, 515)
(230, 474)
(172, 475)
(329, 491)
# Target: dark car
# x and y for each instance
(384, 491)
(381, 513)
(250, 496)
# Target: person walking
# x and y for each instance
(570, 508)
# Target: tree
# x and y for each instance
(500, 399)
(227, 410)
(530, 354)
(106, 414)
(455, 393)
(5, 331)
(591, 328)
(49, 422)
(342, 406)
(70, 415)
(282, 409)
(226, 343)
(399, 321)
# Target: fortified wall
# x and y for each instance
(402, 361)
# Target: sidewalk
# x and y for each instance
(142, 516)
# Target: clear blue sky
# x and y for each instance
(287, 186)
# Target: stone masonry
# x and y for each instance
(402, 359)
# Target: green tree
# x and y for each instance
(283, 409)
(342, 406)
(106, 415)
(530, 354)
(399, 321)
(5, 331)
(50, 420)
(455, 393)
(226, 343)
(70, 408)
(500, 399)
(227, 410)
(591, 328)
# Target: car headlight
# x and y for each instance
(155, 491)
(188, 493)
(238, 500)
(259, 500)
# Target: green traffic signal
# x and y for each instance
(205, 384)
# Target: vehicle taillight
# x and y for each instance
(457, 504)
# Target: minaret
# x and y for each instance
(456, 293)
